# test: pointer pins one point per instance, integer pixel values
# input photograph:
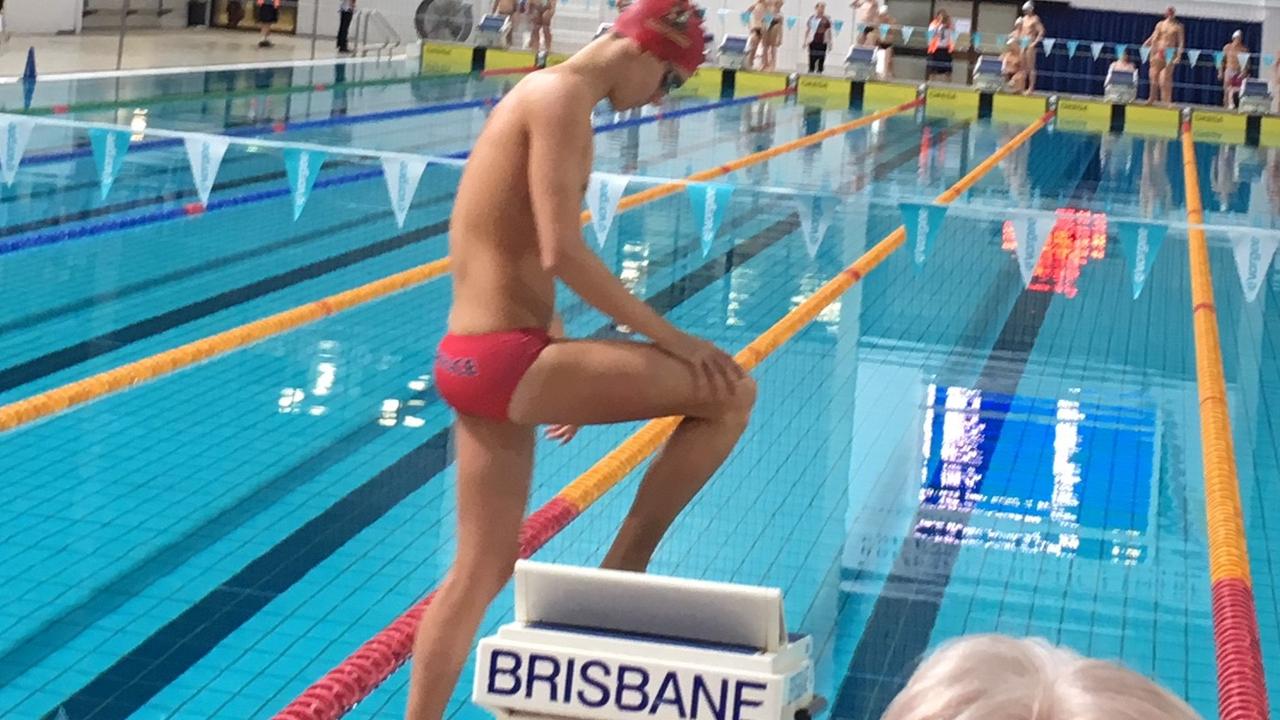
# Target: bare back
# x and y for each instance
(499, 282)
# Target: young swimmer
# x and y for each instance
(1167, 35)
(515, 230)
(1233, 71)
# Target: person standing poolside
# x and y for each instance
(1029, 31)
(1233, 71)
(818, 38)
(541, 12)
(346, 11)
(942, 45)
(268, 14)
(502, 367)
(1168, 35)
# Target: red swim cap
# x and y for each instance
(670, 30)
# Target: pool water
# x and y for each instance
(996, 431)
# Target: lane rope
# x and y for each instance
(1242, 685)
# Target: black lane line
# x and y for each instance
(44, 365)
(135, 678)
(122, 689)
(897, 633)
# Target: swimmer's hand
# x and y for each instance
(710, 362)
(563, 433)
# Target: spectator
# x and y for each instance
(942, 43)
(268, 14)
(818, 38)
(1122, 64)
(1002, 678)
(346, 10)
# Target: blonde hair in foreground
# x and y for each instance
(992, 677)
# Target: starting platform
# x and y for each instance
(611, 645)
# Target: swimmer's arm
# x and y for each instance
(559, 165)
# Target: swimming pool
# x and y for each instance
(993, 431)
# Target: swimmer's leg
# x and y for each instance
(494, 463)
(1156, 87)
(594, 382)
(1030, 60)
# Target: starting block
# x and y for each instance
(732, 53)
(1121, 87)
(492, 31)
(860, 63)
(611, 645)
(988, 74)
(1255, 97)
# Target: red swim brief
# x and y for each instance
(478, 374)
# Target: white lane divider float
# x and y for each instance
(610, 645)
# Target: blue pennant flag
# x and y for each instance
(1140, 241)
(302, 166)
(791, 22)
(1144, 52)
(710, 202)
(975, 39)
(109, 148)
(1072, 47)
(746, 18)
(1193, 57)
(839, 25)
(884, 31)
(1121, 49)
(922, 222)
(1095, 49)
(1268, 60)
(1168, 55)
(1217, 59)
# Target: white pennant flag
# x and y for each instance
(604, 192)
(402, 175)
(1031, 232)
(205, 152)
(1048, 46)
(818, 211)
(1253, 255)
(1244, 61)
(907, 32)
(14, 134)
(1193, 57)
(1095, 49)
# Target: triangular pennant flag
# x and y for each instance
(928, 35)
(1144, 52)
(1193, 57)
(907, 32)
(975, 39)
(710, 202)
(1253, 254)
(838, 25)
(14, 134)
(1048, 46)
(1031, 233)
(1217, 59)
(884, 31)
(1168, 55)
(109, 148)
(816, 214)
(402, 174)
(1140, 241)
(204, 153)
(1268, 61)
(922, 222)
(1095, 49)
(1072, 46)
(746, 18)
(604, 192)
(1121, 49)
(303, 167)
(791, 22)
(1244, 60)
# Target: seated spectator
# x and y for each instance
(993, 677)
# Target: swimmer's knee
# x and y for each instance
(738, 406)
(486, 575)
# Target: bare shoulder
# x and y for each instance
(551, 98)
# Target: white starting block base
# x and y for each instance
(608, 645)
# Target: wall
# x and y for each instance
(42, 17)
